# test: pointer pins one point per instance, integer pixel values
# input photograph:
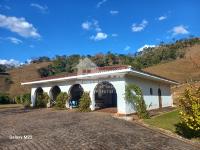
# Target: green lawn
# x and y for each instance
(3, 106)
(166, 121)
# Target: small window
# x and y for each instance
(151, 91)
(159, 92)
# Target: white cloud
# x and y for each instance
(99, 36)
(43, 9)
(127, 48)
(29, 61)
(177, 30)
(10, 62)
(96, 25)
(14, 40)
(91, 25)
(139, 27)
(162, 18)
(145, 46)
(114, 12)
(101, 3)
(19, 26)
(86, 25)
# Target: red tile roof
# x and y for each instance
(96, 70)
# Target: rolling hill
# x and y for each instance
(186, 69)
(5, 82)
(25, 73)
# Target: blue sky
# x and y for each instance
(33, 28)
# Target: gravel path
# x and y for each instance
(52, 129)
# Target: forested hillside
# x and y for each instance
(148, 57)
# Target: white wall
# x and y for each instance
(88, 86)
(119, 83)
(151, 100)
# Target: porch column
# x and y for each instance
(33, 97)
(92, 105)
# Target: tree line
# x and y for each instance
(148, 57)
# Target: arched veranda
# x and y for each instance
(75, 93)
(38, 92)
(54, 92)
(105, 95)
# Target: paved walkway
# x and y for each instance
(71, 130)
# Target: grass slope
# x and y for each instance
(25, 73)
(4, 86)
(182, 70)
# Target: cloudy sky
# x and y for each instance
(32, 28)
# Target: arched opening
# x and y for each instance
(38, 92)
(160, 98)
(75, 93)
(54, 92)
(105, 95)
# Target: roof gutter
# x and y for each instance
(152, 76)
(75, 77)
(128, 70)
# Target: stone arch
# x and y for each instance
(105, 95)
(53, 93)
(75, 93)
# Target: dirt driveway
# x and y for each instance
(49, 129)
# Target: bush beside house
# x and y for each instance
(84, 103)
(61, 100)
(42, 100)
(189, 104)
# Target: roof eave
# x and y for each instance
(153, 77)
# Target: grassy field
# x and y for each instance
(166, 121)
(183, 69)
(7, 106)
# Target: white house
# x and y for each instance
(106, 86)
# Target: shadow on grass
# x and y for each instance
(183, 130)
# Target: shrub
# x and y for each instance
(183, 130)
(26, 99)
(4, 98)
(42, 100)
(84, 103)
(133, 94)
(8, 80)
(18, 99)
(189, 104)
(61, 100)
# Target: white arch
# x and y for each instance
(114, 92)
(51, 94)
(34, 96)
